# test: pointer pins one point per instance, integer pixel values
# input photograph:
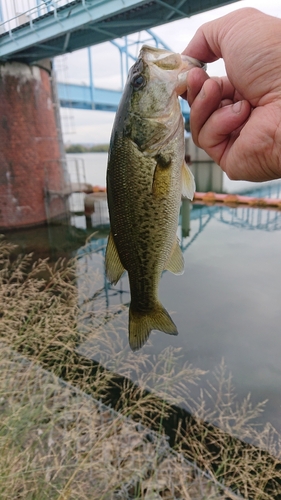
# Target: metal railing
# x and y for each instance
(18, 12)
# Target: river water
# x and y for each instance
(227, 303)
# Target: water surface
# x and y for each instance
(226, 305)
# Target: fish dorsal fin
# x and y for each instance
(113, 266)
(188, 183)
(175, 262)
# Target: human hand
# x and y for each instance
(237, 119)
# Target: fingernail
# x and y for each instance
(237, 107)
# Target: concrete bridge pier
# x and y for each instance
(207, 174)
(31, 151)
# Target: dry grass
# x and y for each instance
(57, 443)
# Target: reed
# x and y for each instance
(58, 442)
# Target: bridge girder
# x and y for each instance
(82, 23)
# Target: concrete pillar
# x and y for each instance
(30, 157)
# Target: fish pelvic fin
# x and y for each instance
(141, 324)
(113, 266)
(175, 262)
(188, 182)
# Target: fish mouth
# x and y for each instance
(187, 64)
(180, 64)
(166, 59)
(193, 62)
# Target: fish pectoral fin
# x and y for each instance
(113, 266)
(162, 177)
(188, 182)
(175, 262)
(141, 324)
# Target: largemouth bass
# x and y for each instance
(146, 176)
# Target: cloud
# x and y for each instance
(85, 126)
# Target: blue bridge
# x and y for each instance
(53, 27)
(91, 97)
(32, 34)
(32, 30)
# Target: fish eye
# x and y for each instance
(138, 82)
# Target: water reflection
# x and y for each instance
(226, 305)
(251, 219)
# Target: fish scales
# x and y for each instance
(145, 177)
(138, 239)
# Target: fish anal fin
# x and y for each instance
(113, 266)
(141, 324)
(175, 262)
(188, 182)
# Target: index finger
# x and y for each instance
(197, 77)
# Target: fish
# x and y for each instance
(146, 177)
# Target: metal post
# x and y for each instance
(2, 28)
(185, 217)
(38, 2)
(48, 4)
(92, 88)
(127, 55)
(122, 68)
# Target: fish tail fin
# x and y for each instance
(141, 324)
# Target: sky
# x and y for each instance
(94, 127)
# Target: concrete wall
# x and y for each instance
(208, 175)
(30, 157)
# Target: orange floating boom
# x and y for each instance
(234, 200)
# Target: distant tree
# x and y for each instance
(76, 148)
(101, 148)
(79, 148)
